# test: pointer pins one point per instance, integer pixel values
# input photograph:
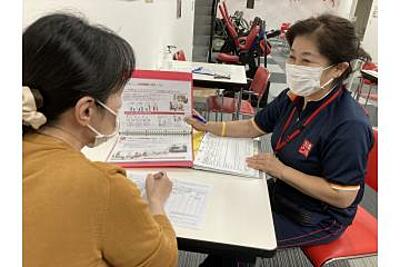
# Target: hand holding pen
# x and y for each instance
(197, 121)
(158, 188)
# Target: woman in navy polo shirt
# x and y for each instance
(320, 136)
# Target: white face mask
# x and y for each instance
(304, 80)
(102, 138)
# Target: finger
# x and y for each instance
(255, 166)
(255, 157)
(259, 156)
(149, 179)
(190, 120)
(159, 175)
(195, 112)
(256, 161)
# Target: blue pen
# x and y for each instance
(199, 118)
(197, 69)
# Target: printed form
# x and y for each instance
(226, 155)
(186, 204)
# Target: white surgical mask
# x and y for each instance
(102, 138)
(304, 80)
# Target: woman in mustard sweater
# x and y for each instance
(78, 212)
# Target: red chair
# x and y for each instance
(284, 28)
(282, 36)
(258, 87)
(360, 238)
(266, 48)
(359, 91)
(241, 47)
(179, 55)
(245, 44)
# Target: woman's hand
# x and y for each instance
(267, 163)
(158, 188)
(200, 126)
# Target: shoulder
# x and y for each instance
(286, 96)
(347, 108)
(346, 112)
(107, 169)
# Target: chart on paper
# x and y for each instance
(227, 155)
(186, 206)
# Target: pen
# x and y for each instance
(197, 69)
(199, 118)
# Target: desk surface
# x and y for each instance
(238, 214)
(236, 72)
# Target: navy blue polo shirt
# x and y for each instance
(334, 146)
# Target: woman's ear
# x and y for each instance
(341, 68)
(84, 110)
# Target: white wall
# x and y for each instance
(274, 12)
(346, 8)
(370, 41)
(148, 27)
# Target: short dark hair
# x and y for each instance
(335, 37)
(65, 58)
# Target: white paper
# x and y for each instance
(187, 203)
(226, 155)
(152, 148)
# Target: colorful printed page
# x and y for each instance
(152, 127)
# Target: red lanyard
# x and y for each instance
(281, 144)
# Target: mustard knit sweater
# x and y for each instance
(82, 213)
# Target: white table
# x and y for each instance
(238, 214)
(237, 73)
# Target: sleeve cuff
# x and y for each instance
(345, 187)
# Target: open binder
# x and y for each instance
(153, 132)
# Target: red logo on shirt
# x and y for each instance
(305, 148)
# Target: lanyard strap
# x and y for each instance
(281, 144)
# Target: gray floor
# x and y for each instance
(294, 256)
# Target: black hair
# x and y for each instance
(65, 59)
(335, 37)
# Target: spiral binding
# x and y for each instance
(158, 132)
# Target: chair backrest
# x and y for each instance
(371, 177)
(225, 8)
(285, 26)
(260, 81)
(251, 37)
(230, 28)
(223, 14)
(369, 66)
(179, 55)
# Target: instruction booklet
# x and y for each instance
(153, 132)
